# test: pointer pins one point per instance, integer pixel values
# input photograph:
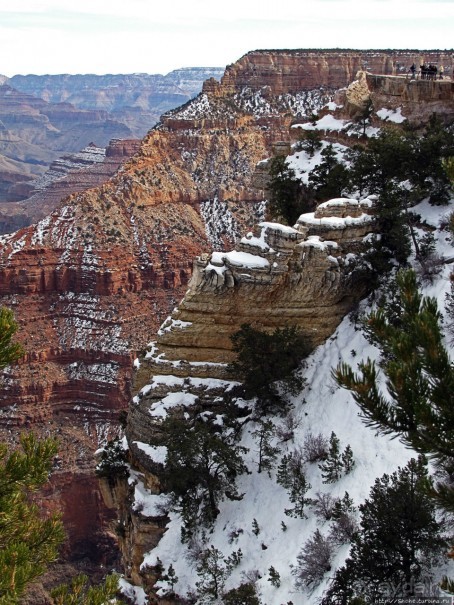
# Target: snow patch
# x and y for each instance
(391, 115)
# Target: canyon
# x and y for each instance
(136, 100)
(68, 174)
(91, 283)
(45, 117)
(33, 133)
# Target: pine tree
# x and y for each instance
(267, 363)
(343, 506)
(363, 117)
(292, 477)
(9, 351)
(344, 527)
(332, 467)
(330, 177)
(201, 466)
(274, 577)
(113, 461)
(398, 542)
(79, 592)
(245, 594)
(286, 192)
(310, 141)
(170, 577)
(348, 462)
(398, 156)
(213, 573)
(419, 406)
(29, 541)
(394, 223)
(267, 453)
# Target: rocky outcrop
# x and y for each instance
(278, 276)
(419, 99)
(415, 99)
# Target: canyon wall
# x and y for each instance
(68, 174)
(136, 100)
(292, 71)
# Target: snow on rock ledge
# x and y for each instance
(277, 276)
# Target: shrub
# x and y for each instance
(286, 430)
(314, 561)
(344, 529)
(112, 464)
(267, 363)
(315, 447)
(324, 506)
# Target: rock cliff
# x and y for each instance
(417, 98)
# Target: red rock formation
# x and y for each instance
(419, 99)
(33, 133)
(68, 174)
(292, 71)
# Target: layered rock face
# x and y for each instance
(33, 133)
(91, 283)
(419, 99)
(279, 276)
(69, 174)
(292, 71)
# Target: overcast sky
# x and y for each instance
(157, 36)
